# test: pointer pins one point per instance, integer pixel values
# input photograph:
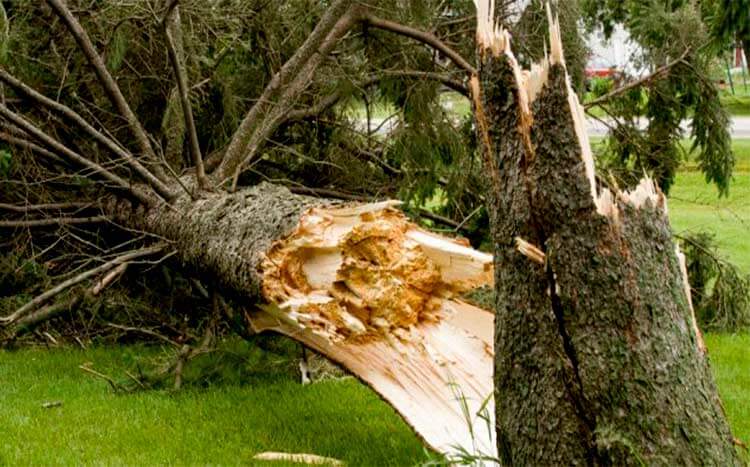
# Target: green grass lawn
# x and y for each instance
(730, 361)
(228, 423)
(223, 424)
(695, 205)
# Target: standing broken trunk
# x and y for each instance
(597, 356)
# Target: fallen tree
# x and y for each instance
(588, 346)
(359, 283)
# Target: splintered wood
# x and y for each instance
(376, 294)
(365, 273)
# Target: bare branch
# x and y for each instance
(421, 36)
(32, 320)
(109, 84)
(61, 149)
(115, 386)
(173, 33)
(26, 144)
(28, 223)
(289, 81)
(29, 322)
(632, 85)
(44, 207)
(107, 280)
(47, 295)
(99, 137)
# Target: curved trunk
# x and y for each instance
(597, 356)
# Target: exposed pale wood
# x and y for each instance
(310, 459)
(423, 379)
(367, 271)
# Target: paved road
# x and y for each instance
(740, 127)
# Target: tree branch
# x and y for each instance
(276, 101)
(267, 113)
(173, 32)
(109, 84)
(74, 157)
(32, 320)
(53, 221)
(47, 295)
(26, 144)
(632, 85)
(421, 36)
(43, 207)
(99, 137)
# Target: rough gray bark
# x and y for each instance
(597, 361)
(223, 236)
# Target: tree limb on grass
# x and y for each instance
(51, 293)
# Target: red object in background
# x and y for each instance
(600, 72)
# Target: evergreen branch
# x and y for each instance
(638, 83)
(421, 36)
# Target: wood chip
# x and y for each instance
(310, 459)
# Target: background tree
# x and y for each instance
(673, 44)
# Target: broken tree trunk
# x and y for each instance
(358, 283)
(597, 356)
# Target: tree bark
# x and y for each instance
(597, 356)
